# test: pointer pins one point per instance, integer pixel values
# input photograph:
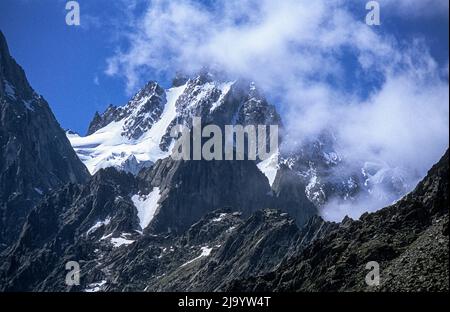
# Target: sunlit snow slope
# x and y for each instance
(107, 147)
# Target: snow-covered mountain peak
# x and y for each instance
(131, 138)
(141, 128)
(139, 113)
(150, 89)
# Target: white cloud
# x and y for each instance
(290, 37)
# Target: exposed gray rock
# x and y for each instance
(190, 189)
(289, 192)
(142, 111)
(241, 104)
(65, 226)
(35, 155)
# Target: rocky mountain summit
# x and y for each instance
(142, 111)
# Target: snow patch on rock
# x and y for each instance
(270, 167)
(98, 225)
(206, 251)
(146, 206)
(95, 287)
(119, 241)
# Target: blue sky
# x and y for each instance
(62, 62)
(67, 64)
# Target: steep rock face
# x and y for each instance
(409, 240)
(35, 155)
(190, 189)
(85, 222)
(289, 192)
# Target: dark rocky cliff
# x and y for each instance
(35, 155)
